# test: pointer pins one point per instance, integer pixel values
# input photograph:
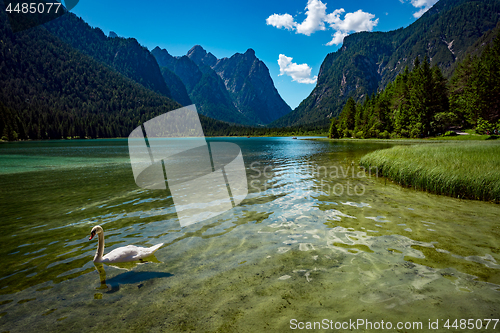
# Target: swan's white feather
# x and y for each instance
(129, 253)
(121, 254)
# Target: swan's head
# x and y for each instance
(95, 230)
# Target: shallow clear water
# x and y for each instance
(315, 239)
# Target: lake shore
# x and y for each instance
(206, 136)
(469, 170)
(437, 139)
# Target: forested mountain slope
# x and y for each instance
(49, 90)
(126, 56)
(368, 61)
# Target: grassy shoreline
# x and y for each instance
(434, 139)
(398, 141)
(467, 170)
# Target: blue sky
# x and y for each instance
(303, 32)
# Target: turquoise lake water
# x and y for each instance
(316, 238)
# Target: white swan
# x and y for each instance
(121, 254)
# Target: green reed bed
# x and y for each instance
(468, 170)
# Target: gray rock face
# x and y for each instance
(163, 58)
(203, 86)
(251, 87)
(200, 56)
(241, 85)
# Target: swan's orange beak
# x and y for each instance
(92, 235)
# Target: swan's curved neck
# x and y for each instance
(100, 247)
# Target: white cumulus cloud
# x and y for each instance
(299, 73)
(338, 38)
(281, 21)
(424, 6)
(357, 21)
(316, 17)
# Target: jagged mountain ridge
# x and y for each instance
(51, 90)
(368, 61)
(246, 80)
(203, 86)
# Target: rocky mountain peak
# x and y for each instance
(196, 54)
(210, 59)
(163, 58)
(240, 84)
(250, 52)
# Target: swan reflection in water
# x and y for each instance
(128, 277)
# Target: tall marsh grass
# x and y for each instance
(468, 170)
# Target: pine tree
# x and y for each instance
(347, 118)
(333, 132)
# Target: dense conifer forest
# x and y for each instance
(421, 102)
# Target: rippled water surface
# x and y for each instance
(316, 238)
